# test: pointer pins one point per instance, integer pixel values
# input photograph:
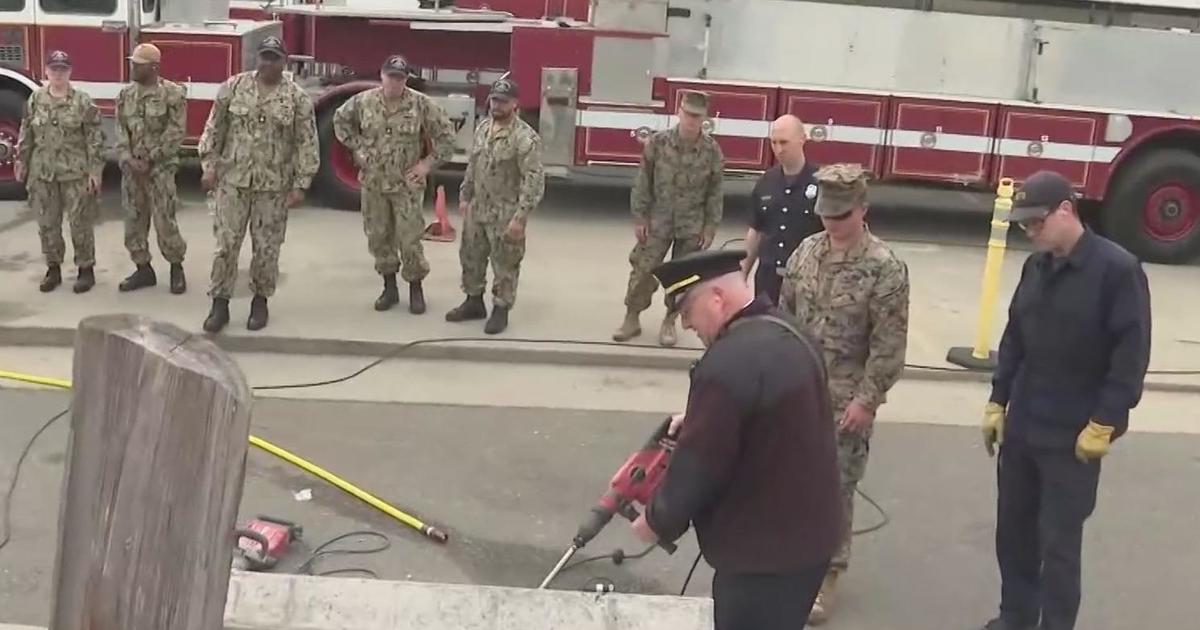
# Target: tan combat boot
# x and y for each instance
(822, 609)
(666, 334)
(629, 329)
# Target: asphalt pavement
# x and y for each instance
(509, 484)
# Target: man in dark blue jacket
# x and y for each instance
(1072, 363)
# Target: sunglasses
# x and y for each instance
(1027, 224)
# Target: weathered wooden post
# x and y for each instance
(155, 465)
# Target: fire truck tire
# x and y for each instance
(12, 109)
(336, 181)
(1153, 208)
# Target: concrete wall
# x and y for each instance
(285, 602)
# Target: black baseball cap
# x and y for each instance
(273, 46)
(58, 59)
(396, 64)
(1039, 194)
(678, 275)
(504, 88)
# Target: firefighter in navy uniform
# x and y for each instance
(782, 201)
(1072, 363)
(755, 469)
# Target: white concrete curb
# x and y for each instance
(288, 602)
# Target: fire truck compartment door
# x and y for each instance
(95, 34)
(1137, 69)
(806, 44)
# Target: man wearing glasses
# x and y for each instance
(847, 288)
(1072, 362)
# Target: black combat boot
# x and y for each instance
(52, 280)
(218, 316)
(416, 298)
(178, 281)
(85, 280)
(498, 321)
(471, 308)
(390, 296)
(142, 277)
(258, 313)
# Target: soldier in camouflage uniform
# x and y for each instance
(386, 128)
(851, 292)
(504, 182)
(59, 157)
(259, 152)
(151, 123)
(677, 205)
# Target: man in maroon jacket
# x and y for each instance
(755, 469)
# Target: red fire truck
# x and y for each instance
(951, 93)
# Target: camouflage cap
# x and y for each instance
(694, 103)
(58, 59)
(504, 88)
(272, 46)
(396, 64)
(842, 187)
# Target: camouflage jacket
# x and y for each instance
(262, 140)
(856, 304)
(387, 139)
(61, 139)
(151, 123)
(678, 187)
(504, 176)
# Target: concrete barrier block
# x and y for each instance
(291, 602)
(283, 602)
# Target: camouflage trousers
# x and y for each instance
(394, 224)
(50, 201)
(151, 197)
(266, 214)
(854, 450)
(484, 240)
(644, 258)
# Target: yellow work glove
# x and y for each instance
(993, 427)
(1093, 441)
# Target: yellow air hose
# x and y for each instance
(313, 469)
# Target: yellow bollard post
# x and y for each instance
(980, 356)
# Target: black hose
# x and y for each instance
(323, 550)
(12, 485)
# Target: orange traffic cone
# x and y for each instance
(440, 230)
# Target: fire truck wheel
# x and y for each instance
(336, 181)
(1153, 208)
(12, 108)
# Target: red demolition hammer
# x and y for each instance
(635, 482)
(263, 542)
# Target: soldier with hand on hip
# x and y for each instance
(504, 182)
(385, 128)
(151, 123)
(259, 151)
(677, 206)
(847, 288)
(59, 157)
